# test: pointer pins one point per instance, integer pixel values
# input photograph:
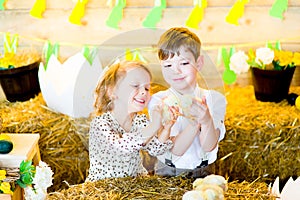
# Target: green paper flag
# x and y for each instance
(2, 2)
(229, 76)
(10, 43)
(278, 8)
(277, 45)
(196, 15)
(89, 54)
(48, 50)
(116, 14)
(155, 14)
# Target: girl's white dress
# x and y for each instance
(114, 152)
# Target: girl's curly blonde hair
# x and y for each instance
(109, 80)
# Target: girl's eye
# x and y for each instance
(185, 63)
(167, 66)
(147, 89)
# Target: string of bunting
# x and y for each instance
(10, 43)
(155, 15)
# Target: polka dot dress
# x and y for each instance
(114, 152)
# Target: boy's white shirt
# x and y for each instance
(194, 155)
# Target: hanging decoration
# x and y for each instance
(48, 51)
(134, 55)
(229, 76)
(116, 14)
(236, 12)
(155, 14)
(78, 12)
(196, 16)
(2, 4)
(38, 8)
(10, 43)
(278, 8)
(89, 54)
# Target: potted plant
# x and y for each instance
(18, 70)
(272, 70)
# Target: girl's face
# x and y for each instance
(180, 71)
(132, 92)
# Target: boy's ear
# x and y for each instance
(200, 62)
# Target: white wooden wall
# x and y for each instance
(255, 29)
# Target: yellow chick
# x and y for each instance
(212, 179)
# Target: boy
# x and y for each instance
(200, 127)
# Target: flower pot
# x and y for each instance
(20, 84)
(271, 85)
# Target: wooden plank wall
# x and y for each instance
(255, 29)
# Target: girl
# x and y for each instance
(118, 132)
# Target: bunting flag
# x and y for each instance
(38, 8)
(229, 76)
(10, 43)
(134, 55)
(49, 50)
(197, 14)
(2, 4)
(155, 14)
(89, 54)
(78, 12)
(236, 12)
(278, 8)
(116, 14)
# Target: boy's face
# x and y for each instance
(180, 71)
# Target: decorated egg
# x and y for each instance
(291, 98)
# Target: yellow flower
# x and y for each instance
(2, 175)
(296, 58)
(284, 57)
(5, 188)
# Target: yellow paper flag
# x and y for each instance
(78, 12)
(236, 12)
(38, 8)
(197, 14)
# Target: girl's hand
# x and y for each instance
(174, 113)
(157, 116)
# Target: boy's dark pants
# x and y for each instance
(164, 170)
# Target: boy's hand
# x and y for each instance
(198, 111)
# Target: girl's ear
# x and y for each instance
(200, 62)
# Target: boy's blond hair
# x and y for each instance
(174, 38)
(109, 80)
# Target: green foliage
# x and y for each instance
(27, 172)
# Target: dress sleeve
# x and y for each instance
(156, 148)
(102, 132)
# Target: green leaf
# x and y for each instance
(21, 184)
(25, 165)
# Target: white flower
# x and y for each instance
(43, 176)
(238, 62)
(264, 56)
(38, 194)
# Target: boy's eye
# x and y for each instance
(169, 65)
(185, 63)
(147, 89)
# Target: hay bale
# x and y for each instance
(60, 145)
(153, 187)
(262, 138)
